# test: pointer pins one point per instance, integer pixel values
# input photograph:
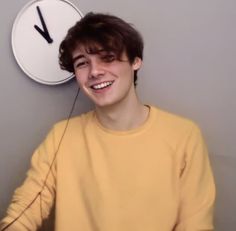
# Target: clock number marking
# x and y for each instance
(43, 32)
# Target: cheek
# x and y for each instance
(77, 79)
(127, 74)
(81, 77)
(122, 71)
(80, 82)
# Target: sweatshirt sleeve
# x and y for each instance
(197, 188)
(31, 202)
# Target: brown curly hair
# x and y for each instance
(101, 30)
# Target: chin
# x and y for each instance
(103, 105)
(103, 101)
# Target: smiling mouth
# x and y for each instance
(102, 85)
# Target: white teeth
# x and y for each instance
(102, 85)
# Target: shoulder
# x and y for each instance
(73, 125)
(172, 120)
(175, 127)
(81, 119)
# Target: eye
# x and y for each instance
(80, 64)
(108, 58)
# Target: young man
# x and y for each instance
(124, 166)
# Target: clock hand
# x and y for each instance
(43, 32)
(45, 35)
(42, 21)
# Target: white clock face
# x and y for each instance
(37, 33)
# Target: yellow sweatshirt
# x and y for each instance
(156, 177)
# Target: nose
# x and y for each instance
(97, 69)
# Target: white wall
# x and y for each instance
(189, 69)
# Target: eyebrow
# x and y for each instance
(77, 57)
(99, 51)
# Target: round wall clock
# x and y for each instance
(37, 33)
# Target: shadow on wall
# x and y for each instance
(224, 168)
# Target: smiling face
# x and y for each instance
(105, 78)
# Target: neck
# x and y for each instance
(124, 115)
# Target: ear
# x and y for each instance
(137, 63)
